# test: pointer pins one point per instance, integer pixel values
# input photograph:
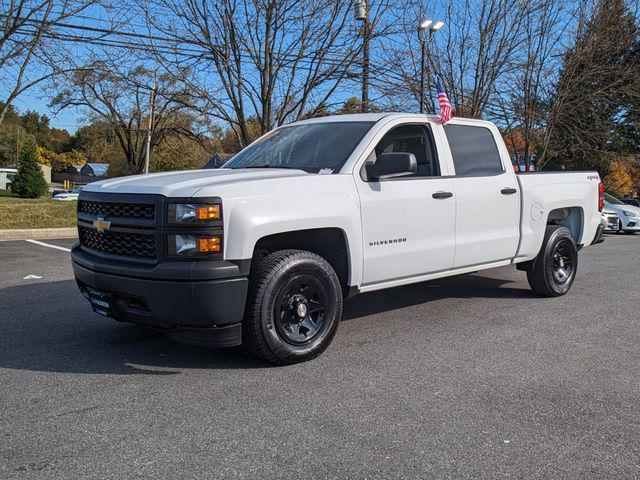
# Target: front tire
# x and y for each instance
(554, 269)
(293, 307)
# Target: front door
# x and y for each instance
(408, 222)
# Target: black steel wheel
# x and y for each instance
(293, 307)
(553, 271)
(562, 269)
(300, 309)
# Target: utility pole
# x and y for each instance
(152, 99)
(362, 14)
(17, 145)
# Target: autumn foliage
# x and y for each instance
(619, 181)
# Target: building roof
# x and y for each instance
(99, 169)
(217, 160)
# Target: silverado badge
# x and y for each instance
(101, 225)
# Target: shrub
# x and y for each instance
(29, 182)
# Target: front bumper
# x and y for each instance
(632, 224)
(611, 223)
(202, 304)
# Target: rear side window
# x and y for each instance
(474, 150)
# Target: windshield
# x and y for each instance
(612, 200)
(313, 147)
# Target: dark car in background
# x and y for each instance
(632, 201)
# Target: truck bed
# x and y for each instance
(544, 198)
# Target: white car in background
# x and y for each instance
(628, 215)
(68, 196)
(610, 222)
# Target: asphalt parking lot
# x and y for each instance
(470, 377)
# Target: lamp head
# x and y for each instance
(437, 26)
(425, 24)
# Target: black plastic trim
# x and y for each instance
(196, 270)
(167, 304)
(353, 291)
(159, 227)
(442, 195)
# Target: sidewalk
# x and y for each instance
(41, 233)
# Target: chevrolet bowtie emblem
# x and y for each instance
(100, 225)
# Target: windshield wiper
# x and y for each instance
(270, 166)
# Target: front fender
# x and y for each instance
(247, 220)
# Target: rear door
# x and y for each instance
(408, 222)
(487, 196)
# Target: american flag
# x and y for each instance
(446, 112)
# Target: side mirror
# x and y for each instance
(389, 165)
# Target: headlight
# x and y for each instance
(192, 213)
(628, 214)
(193, 245)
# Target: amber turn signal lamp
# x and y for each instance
(209, 244)
(209, 212)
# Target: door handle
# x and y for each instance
(508, 191)
(441, 195)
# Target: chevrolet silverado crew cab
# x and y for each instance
(263, 251)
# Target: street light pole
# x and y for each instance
(423, 54)
(362, 14)
(426, 24)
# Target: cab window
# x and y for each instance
(414, 139)
(474, 150)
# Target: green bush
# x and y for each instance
(29, 182)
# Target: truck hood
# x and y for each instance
(186, 183)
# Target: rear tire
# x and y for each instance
(293, 307)
(553, 271)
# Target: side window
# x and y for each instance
(414, 139)
(474, 150)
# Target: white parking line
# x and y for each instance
(64, 249)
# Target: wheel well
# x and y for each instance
(569, 217)
(329, 243)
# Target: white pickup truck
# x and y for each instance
(263, 251)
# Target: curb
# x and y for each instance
(41, 233)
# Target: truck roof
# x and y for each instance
(375, 117)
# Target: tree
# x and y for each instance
(619, 181)
(179, 153)
(29, 182)
(275, 61)
(120, 98)
(472, 53)
(28, 38)
(52, 139)
(520, 104)
(45, 156)
(597, 86)
(62, 161)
